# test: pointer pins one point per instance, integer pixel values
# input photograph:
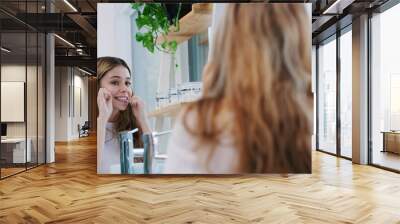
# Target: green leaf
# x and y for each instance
(164, 44)
(139, 37)
(150, 47)
(173, 45)
(136, 6)
(153, 16)
(147, 10)
(141, 21)
(177, 18)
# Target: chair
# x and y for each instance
(84, 130)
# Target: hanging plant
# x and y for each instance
(152, 18)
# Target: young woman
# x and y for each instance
(255, 114)
(119, 110)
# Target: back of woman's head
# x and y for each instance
(260, 69)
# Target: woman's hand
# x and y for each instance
(104, 102)
(138, 108)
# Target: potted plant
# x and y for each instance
(155, 20)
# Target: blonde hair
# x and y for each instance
(260, 71)
(126, 119)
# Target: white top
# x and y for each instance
(13, 140)
(187, 156)
(110, 153)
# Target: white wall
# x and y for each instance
(61, 104)
(80, 83)
(67, 81)
(114, 34)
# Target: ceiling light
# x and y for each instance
(331, 7)
(86, 72)
(64, 40)
(337, 7)
(5, 50)
(70, 5)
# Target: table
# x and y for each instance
(391, 141)
(13, 150)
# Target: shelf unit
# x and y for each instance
(196, 21)
(167, 111)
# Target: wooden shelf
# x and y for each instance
(196, 21)
(170, 110)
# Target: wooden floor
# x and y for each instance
(10, 171)
(70, 191)
(5, 172)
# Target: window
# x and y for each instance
(385, 88)
(346, 93)
(327, 96)
(22, 65)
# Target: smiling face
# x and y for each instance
(118, 82)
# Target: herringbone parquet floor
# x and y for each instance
(69, 191)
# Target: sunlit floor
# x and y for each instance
(386, 159)
(346, 152)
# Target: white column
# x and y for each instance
(50, 101)
(360, 90)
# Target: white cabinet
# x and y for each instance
(18, 149)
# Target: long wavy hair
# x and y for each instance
(126, 119)
(260, 72)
